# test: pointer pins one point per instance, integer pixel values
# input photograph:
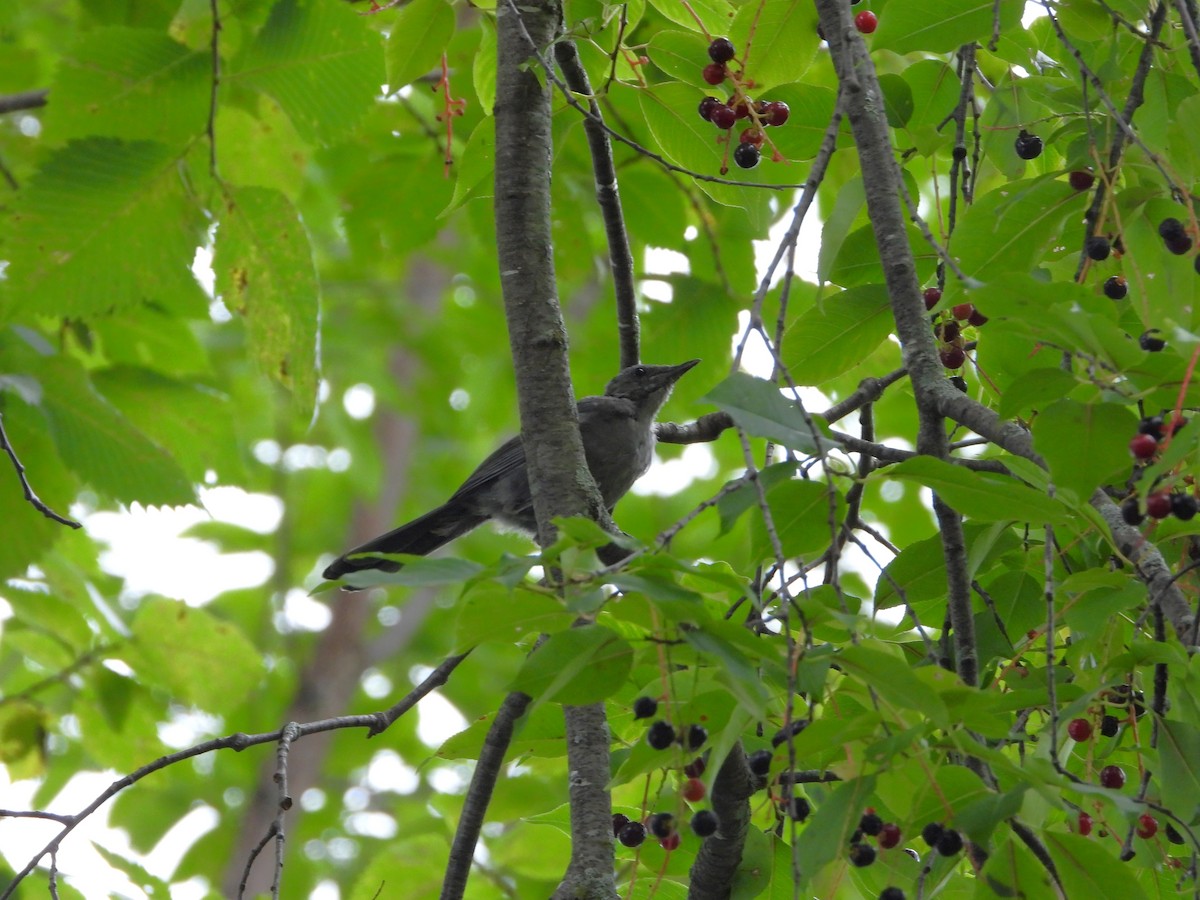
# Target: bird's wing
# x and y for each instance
(508, 457)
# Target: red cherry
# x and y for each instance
(714, 73)
(670, 842)
(722, 116)
(693, 790)
(753, 136)
(977, 318)
(1147, 826)
(866, 21)
(1085, 824)
(963, 311)
(775, 113)
(932, 296)
(1079, 730)
(953, 357)
(1158, 506)
(1112, 777)
(889, 836)
(1143, 446)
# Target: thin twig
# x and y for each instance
(32, 497)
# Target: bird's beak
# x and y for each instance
(682, 369)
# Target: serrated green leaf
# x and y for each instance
(189, 420)
(93, 202)
(419, 33)
(776, 42)
(1083, 443)
(133, 84)
(321, 62)
(1179, 757)
(193, 655)
(103, 447)
(1087, 868)
(940, 26)
(1012, 230)
(761, 408)
(984, 496)
(1034, 390)
(489, 613)
(837, 333)
(577, 666)
(804, 514)
(265, 274)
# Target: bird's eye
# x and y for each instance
(640, 370)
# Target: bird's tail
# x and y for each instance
(418, 537)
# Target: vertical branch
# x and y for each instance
(608, 198)
(215, 51)
(558, 474)
(864, 107)
(559, 479)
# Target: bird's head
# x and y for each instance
(647, 386)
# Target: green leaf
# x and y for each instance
(419, 34)
(29, 534)
(837, 334)
(483, 70)
(133, 84)
(941, 26)
(781, 38)
(475, 168)
(320, 61)
(1035, 389)
(196, 657)
(918, 573)
(984, 496)
(103, 447)
(489, 613)
(1179, 756)
(715, 14)
(804, 514)
(1013, 230)
(1089, 869)
(1082, 443)
(577, 666)
(93, 202)
(897, 98)
(835, 819)
(265, 274)
(192, 422)
(891, 677)
(1013, 871)
(761, 408)
(732, 505)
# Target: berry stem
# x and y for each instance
(691, 12)
(450, 108)
(1183, 387)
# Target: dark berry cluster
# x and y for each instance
(1144, 447)
(1175, 236)
(946, 841)
(1119, 704)
(871, 825)
(661, 735)
(725, 114)
(949, 328)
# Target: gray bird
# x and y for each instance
(618, 441)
